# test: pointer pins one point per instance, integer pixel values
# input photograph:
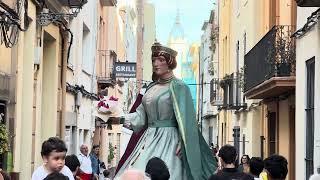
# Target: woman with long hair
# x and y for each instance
(244, 164)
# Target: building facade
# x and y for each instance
(36, 82)
(81, 80)
(307, 92)
(258, 102)
(208, 57)
(270, 75)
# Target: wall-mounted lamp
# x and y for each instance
(47, 17)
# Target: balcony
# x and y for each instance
(216, 93)
(227, 92)
(269, 67)
(108, 2)
(105, 75)
(308, 3)
(232, 92)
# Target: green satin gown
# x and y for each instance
(168, 112)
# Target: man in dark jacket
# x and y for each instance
(228, 155)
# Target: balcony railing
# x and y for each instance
(272, 56)
(108, 2)
(308, 3)
(227, 92)
(216, 93)
(106, 61)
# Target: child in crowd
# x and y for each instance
(53, 154)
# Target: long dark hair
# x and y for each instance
(248, 159)
(154, 77)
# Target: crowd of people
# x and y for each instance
(59, 166)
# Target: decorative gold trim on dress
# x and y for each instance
(183, 134)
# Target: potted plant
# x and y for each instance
(4, 139)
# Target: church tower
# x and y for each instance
(178, 42)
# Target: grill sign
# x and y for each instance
(125, 70)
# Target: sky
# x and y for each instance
(193, 13)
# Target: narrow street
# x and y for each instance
(92, 89)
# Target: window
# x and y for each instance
(86, 136)
(86, 46)
(310, 65)
(67, 138)
(118, 147)
(73, 145)
(81, 140)
(210, 134)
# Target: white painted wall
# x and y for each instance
(307, 47)
(206, 57)
(82, 73)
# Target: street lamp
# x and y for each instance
(47, 17)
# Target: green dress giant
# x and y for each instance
(168, 112)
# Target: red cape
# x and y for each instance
(134, 137)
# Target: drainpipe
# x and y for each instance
(199, 94)
(277, 126)
(64, 43)
(201, 115)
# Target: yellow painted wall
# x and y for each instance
(149, 38)
(5, 60)
(255, 19)
(283, 129)
(224, 64)
(246, 16)
(46, 89)
(27, 98)
(224, 37)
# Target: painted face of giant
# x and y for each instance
(160, 66)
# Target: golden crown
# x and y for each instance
(157, 48)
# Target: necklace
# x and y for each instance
(165, 81)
